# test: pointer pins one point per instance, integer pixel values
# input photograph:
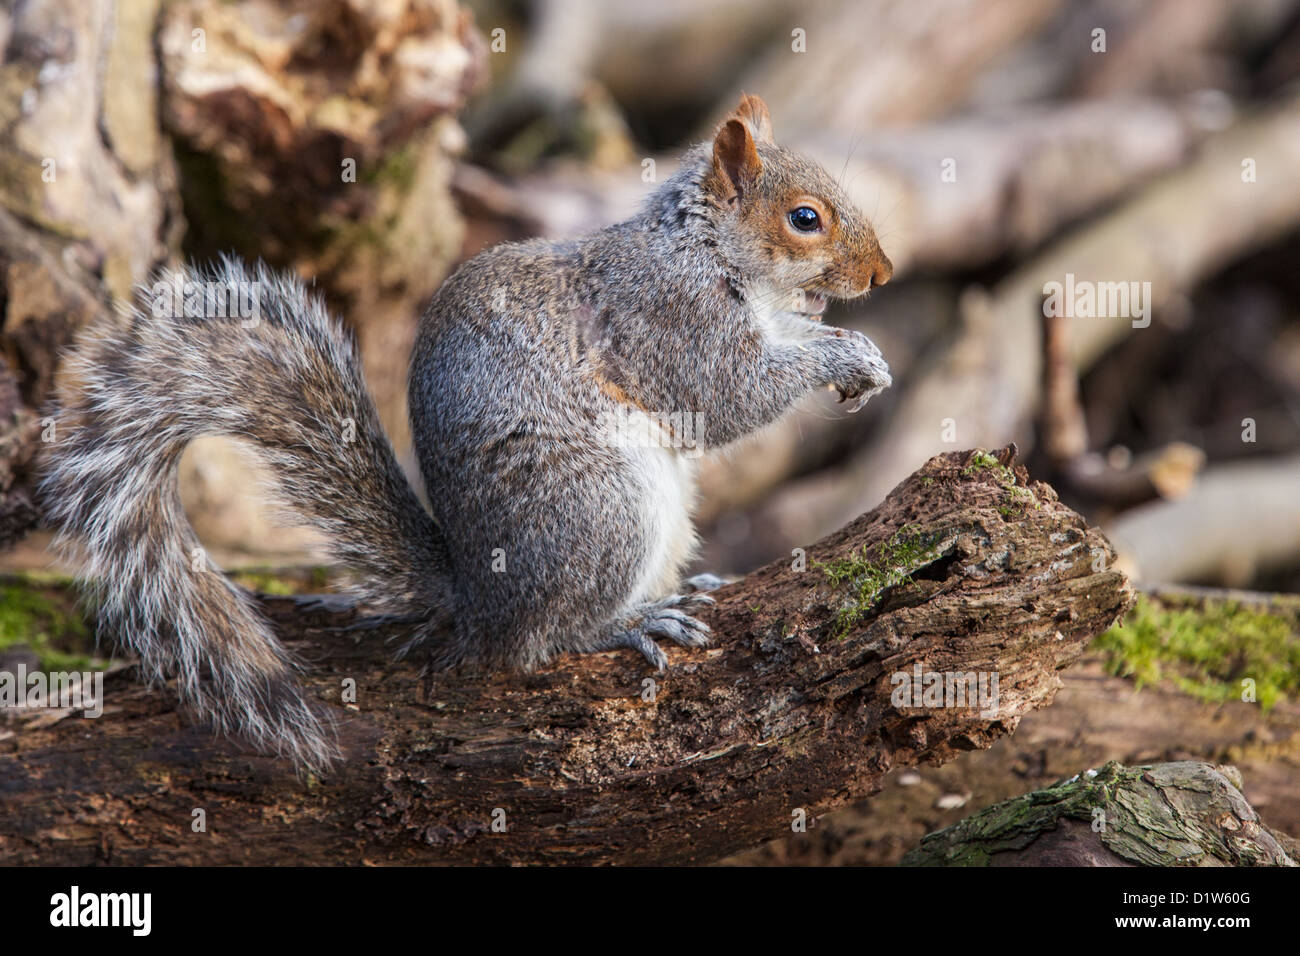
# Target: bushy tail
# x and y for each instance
(250, 355)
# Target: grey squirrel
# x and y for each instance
(548, 388)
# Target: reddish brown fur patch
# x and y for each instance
(617, 393)
(770, 183)
(735, 156)
(754, 112)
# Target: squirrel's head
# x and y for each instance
(784, 219)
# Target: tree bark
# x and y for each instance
(966, 568)
(1170, 814)
(86, 201)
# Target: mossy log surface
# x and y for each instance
(595, 759)
(1186, 813)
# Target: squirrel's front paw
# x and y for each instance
(858, 370)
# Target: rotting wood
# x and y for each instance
(980, 571)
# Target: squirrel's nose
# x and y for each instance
(884, 270)
(876, 271)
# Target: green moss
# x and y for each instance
(1151, 815)
(982, 460)
(398, 169)
(282, 582)
(264, 582)
(867, 577)
(1206, 651)
(1016, 823)
(48, 624)
(1018, 496)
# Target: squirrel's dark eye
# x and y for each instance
(805, 219)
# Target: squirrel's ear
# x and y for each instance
(754, 112)
(735, 158)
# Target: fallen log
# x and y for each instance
(1185, 813)
(967, 569)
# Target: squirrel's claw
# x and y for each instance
(637, 640)
(662, 619)
(679, 627)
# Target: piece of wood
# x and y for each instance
(965, 568)
(1095, 718)
(1185, 813)
(1239, 518)
(319, 140)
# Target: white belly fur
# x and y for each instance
(668, 503)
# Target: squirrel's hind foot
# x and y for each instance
(662, 619)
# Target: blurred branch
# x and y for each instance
(1188, 595)
(1168, 472)
(1238, 518)
(958, 194)
(1064, 433)
(840, 85)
